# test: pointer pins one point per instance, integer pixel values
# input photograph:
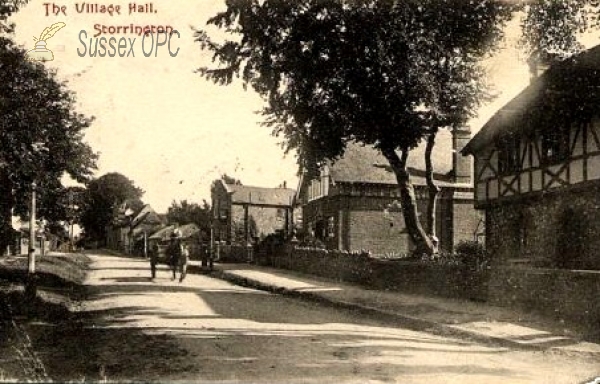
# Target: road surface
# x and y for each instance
(129, 327)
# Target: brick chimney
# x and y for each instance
(461, 165)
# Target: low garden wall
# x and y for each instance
(568, 295)
(341, 266)
(233, 253)
(457, 281)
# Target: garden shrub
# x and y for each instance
(472, 254)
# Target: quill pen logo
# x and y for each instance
(40, 52)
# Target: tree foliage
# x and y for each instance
(230, 180)
(552, 27)
(7, 8)
(328, 80)
(41, 136)
(103, 198)
(383, 73)
(184, 213)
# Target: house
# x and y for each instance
(243, 214)
(537, 170)
(142, 225)
(130, 227)
(353, 203)
(44, 242)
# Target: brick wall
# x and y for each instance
(371, 230)
(264, 221)
(465, 221)
(363, 225)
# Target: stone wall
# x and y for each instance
(556, 230)
(560, 294)
(413, 277)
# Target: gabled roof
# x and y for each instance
(582, 70)
(146, 215)
(365, 164)
(244, 194)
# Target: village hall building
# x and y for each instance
(353, 204)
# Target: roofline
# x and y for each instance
(480, 140)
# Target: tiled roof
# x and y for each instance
(146, 215)
(365, 164)
(244, 194)
(585, 67)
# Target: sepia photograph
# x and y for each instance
(300, 191)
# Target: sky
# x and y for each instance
(162, 125)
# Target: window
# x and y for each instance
(331, 227)
(555, 145)
(280, 216)
(509, 159)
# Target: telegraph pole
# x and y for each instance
(31, 288)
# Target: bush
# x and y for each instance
(442, 258)
(311, 242)
(472, 254)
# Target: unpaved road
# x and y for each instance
(205, 330)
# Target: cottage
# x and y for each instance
(244, 213)
(353, 203)
(142, 225)
(537, 170)
(129, 231)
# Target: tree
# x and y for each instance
(551, 26)
(41, 137)
(103, 198)
(328, 81)
(230, 180)
(184, 213)
(418, 69)
(7, 8)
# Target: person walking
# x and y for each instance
(154, 250)
(183, 262)
(174, 252)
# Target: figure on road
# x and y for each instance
(183, 262)
(154, 258)
(178, 256)
(173, 253)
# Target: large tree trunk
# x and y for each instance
(409, 202)
(432, 189)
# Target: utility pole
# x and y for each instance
(71, 213)
(31, 288)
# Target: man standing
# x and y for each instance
(154, 250)
(183, 262)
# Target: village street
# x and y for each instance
(129, 327)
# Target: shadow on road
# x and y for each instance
(130, 327)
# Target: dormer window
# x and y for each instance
(509, 159)
(555, 145)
